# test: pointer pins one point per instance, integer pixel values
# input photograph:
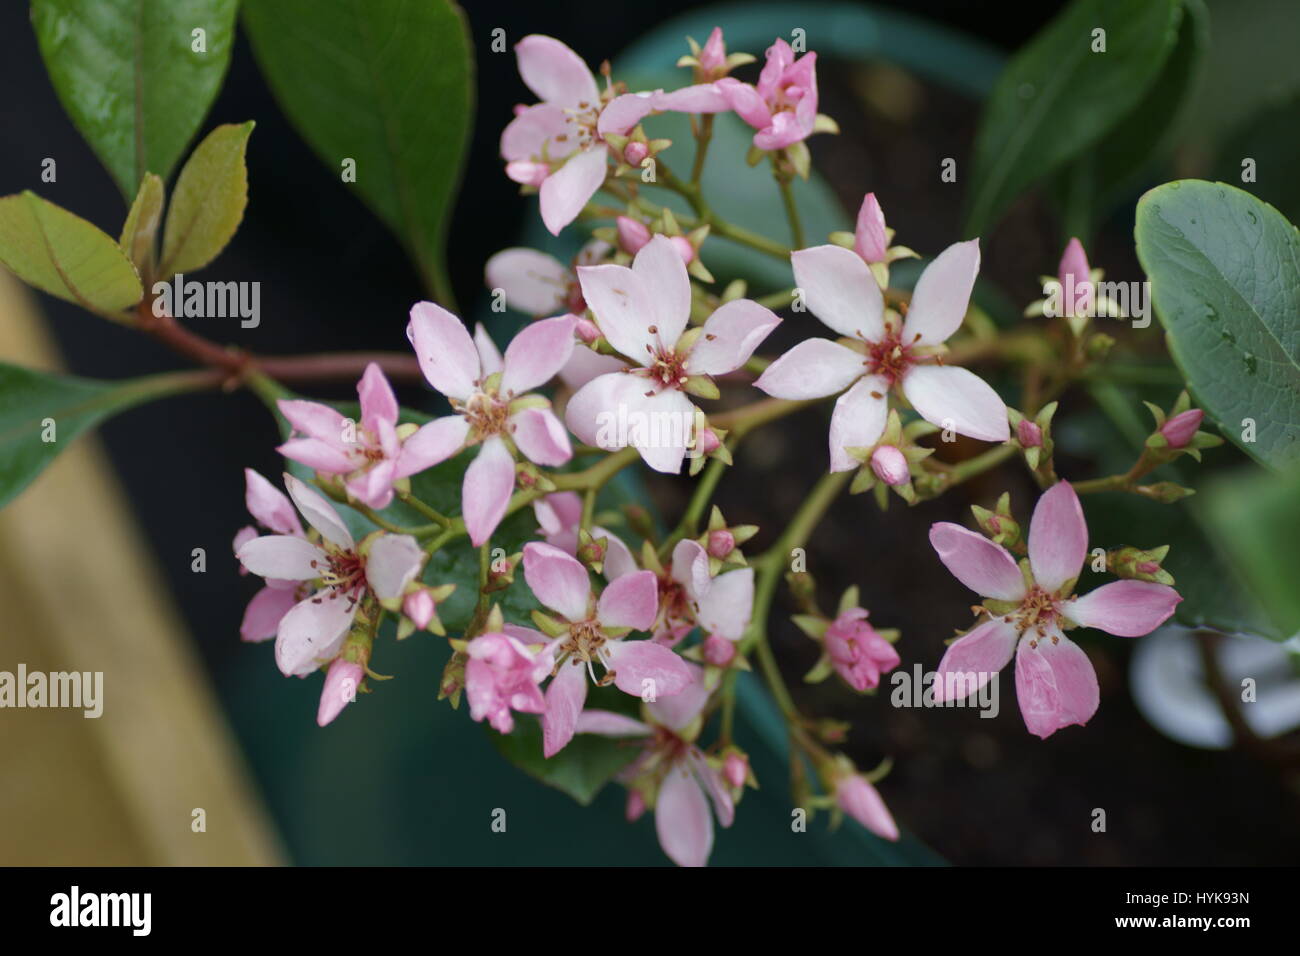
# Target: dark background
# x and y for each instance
(333, 278)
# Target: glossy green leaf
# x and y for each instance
(1225, 279)
(41, 413)
(1057, 98)
(208, 202)
(130, 76)
(382, 90)
(62, 254)
(140, 231)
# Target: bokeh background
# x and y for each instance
(97, 564)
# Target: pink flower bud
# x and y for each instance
(684, 248)
(587, 330)
(709, 442)
(635, 153)
(718, 651)
(635, 805)
(527, 173)
(890, 465)
(860, 800)
(1029, 434)
(735, 769)
(419, 607)
(341, 683)
(857, 652)
(714, 55)
(869, 240)
(721, 543)
(632, 234)
(1178, 431)
(1076, 279)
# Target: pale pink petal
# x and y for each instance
(659, 266)
(264, 611)
(862, 801)
(269, 505)
(869, 239)
(631, 601)
(340, 689)
(312, 632)
(973, 659)
(986, 568)
(623, 308)
(316, 421)
(609, 724)
(858, 420)
(624, 112)
(565, 696)
(536, 354)
(320, 514)
(393, 562)
(641, 666)
(592, 413)
(374, 486)
(839, 289)
(1056, 685)
(1058, 537)
(567, 189)
(700, 98)
(540, 436)
(712, 783)
(619, 560)
(541, 130)
(447, 355)
(531, 281)
(785, 129)
(726, 608)
(486, 489)
(746, 101)
(318, 455)
(489, 356)
(678, 710)
(557, 579)
(690, 568)
(1124, 608)
(555, 73)
(558, 512)
(585, 365)
(283, 556)
(730, 336)
(378, 403)
(942, 294)
(778, 58)
(614, 411)
(682, 818)
(431, 445)
(814, 368)
(953, 397)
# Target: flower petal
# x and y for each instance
(841, 291)
(646, 669)
(558, 512)
(858, 420)
(264, 612)
(531, 281)
(320, 514)
(726, 609)
(447, 355)
(540, 436)
(489, 356)
(624, 112)
(622, 306)
(585, 365)
(1058, 537)
(378, 403)
(678, 710)
(393, 562)
(318, 455)
(554, 72)
(316, 421)
(486, 489)
(543, 129)
(690, 568)
(1056, 685)
(557, 579)
(972, 660)
(431, 445)
(682, 818)
(613, 411)
(283, 556)
(660, 268)
(952, 397)
(312, 632)
(986, 568)
(340, 689)
(630, 601)
(269, 505)
(700, 98)
(609, 724)
(814, 368)
(536, 354)
(567, 190)
(730, 336)
(942, 294)
(565, 696)
(746, 101)
(1124, 608)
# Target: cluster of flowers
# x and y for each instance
(615, 327)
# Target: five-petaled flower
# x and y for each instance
(878, 352)
(783, 106)
(1027, 609)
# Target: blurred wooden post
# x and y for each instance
(80, 591)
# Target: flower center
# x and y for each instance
(667, 366)
(486, 413)
(345, 573)
(889, 357)
(1037, 612)
(581, 120)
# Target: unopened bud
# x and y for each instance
(718, 651)
(890, 465)
(684, 249)
(419, 607)
(635, 153)
(340, 689)
(708, 441)
(1029, 434)
(632, 234)
(1129, 562)
(721, 543)
(1178, 431)
(735, 768)
(586, 330)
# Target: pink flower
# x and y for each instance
(783, 107)
(879, 355)
(643, 312)
(675, 769)
(1179, 429)
(273, 511)
(862, 801)
(503, 674)
(314, 629)
(690, 598)
(1055, 682)
(340, 689)
(493, 406)
(858, 653)
(713, 56)
(595, 627)
(559, 516)
(368, 453)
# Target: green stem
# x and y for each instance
(791, 211)
(702, 140)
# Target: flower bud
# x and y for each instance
(860, 800)
(858, 654)
(632, 234)
(718, 651)
(735, 768)
(419, 607)
(587, 330)
(1029, 434)
(869, 239)
(709, 442)
(1140, 565)
(684, 248)
(713, 57)
(341, 683)
(721, 543)
(890, 465)
(635, 153)
(1178, 431)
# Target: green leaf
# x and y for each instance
(128, 74)
(208, 201)
(41, 413)
(140, 230)
(386, 84)
(64, 255)
(1057, 98)
(1225, 279)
